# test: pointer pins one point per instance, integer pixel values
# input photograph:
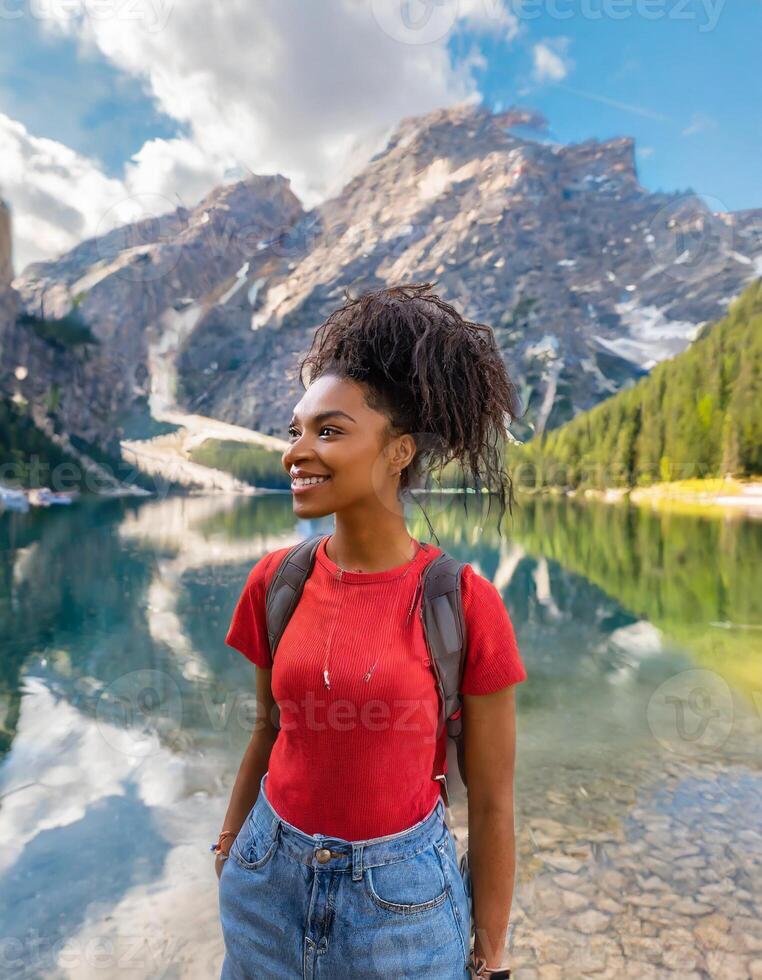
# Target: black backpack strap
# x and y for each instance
(286, 586)
(445, 631)
(284, 591)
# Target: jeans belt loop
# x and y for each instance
(357, 862)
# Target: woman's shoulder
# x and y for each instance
(248, 632)
(265, 567)
(476, 587)
(493, 659)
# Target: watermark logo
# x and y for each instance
(691, 712)
(415, 21)
(689, 238)
(138, 711)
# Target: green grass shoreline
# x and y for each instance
(695, 496)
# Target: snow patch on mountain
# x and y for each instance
(165, 340)
(651, 337)
(434, 180)
(240, 279)
(604, 384)
(253, 292)
(546, 347)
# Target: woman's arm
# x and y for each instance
(489, 722)
(254, 764)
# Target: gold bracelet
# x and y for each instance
(478, 968)
(223, 835)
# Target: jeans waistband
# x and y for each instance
(346, 855)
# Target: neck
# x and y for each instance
(370, 549)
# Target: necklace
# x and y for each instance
(360, 570)
(366, 678)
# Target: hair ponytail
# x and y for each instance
(433, 373)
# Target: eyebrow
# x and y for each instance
(322, 416)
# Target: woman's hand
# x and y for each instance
(477, 967)
(219, 861)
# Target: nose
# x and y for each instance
(299, 450)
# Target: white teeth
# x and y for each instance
(305, 481)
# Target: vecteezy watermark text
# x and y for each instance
(150, 951)
(317, 714)
(427, 21)
(706, 12)
(152, 15)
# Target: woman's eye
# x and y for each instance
(326, 428)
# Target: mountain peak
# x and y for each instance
(239, 192)
(452, 124)
(586, 277)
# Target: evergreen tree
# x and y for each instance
(698, 414)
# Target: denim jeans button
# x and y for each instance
(323, 854)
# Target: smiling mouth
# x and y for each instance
(308, 483)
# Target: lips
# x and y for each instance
(303, 487)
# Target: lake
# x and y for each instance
(639, 763)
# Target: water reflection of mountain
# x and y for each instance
(99, 591)
(134, 716)
(698, 579)
(110, 587)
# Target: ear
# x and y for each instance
(402, 452)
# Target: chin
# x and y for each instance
(303, 509)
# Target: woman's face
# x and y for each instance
(334, 434)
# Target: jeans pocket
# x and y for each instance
(465, 872)
(254, 846)
(411, 885)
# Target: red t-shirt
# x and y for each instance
(355, 760)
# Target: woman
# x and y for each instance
(335, 859)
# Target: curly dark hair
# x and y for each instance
(434, 374)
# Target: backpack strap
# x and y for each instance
(445, 631)
(285, 590)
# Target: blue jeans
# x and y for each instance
(296, 905)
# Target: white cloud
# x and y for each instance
(492, 16)
(551, 63)
(59, 197)
(175, 169)
(700, 123)
(56, 195)
(307, 90)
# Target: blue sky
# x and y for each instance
(79, 99)
(692, 98)
(169, 105)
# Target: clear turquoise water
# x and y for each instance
(124, 715)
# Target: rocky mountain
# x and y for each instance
(137, 292)
(8, 298)
(33, 441)
(588, 278)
